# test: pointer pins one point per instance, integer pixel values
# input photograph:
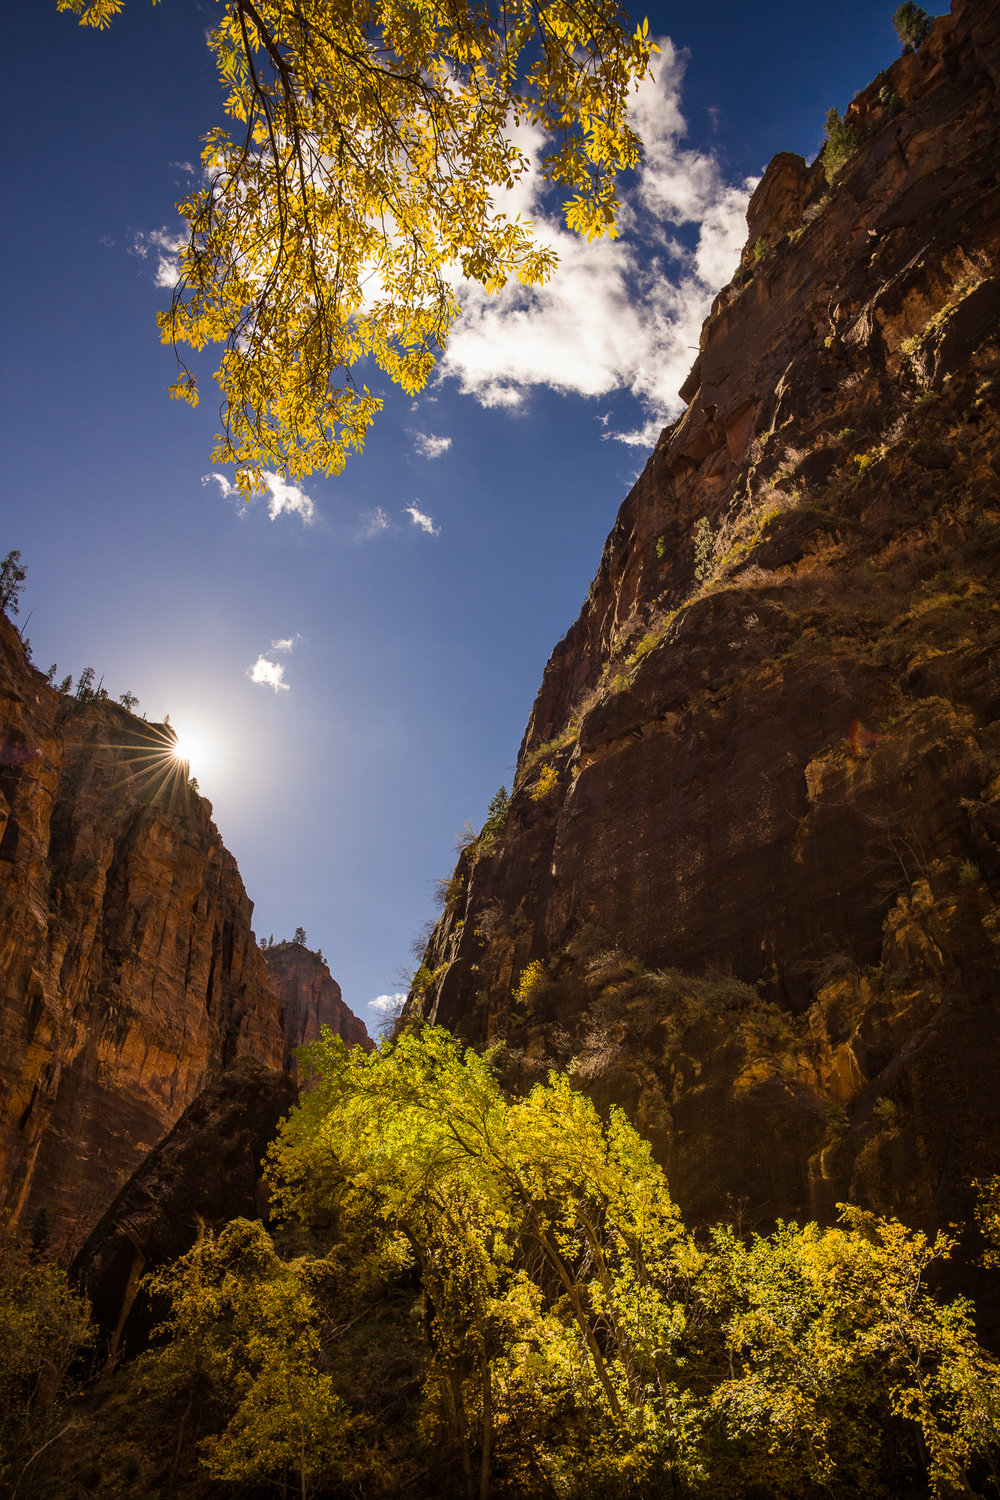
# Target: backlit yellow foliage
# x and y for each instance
(529, 981)
(546, 781)
(361, 182)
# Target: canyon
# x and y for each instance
(131, 978)
(746, 883)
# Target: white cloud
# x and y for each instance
(621, 314)
(374, 522)
(384, 1005)
(283, 494)
(227, 489)
(286, 643)
(268, 674)
(165, 248)
(429, 446)
(419, 519)
(286, 496)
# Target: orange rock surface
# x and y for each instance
(129, 974)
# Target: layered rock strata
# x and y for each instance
(310, 1000)
(129, 974)
(748, 879)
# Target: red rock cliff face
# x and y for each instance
(310, 999)
(130, 976)
(753, 849)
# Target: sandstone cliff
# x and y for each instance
(747, 882)
(310, 999)
(129, 974)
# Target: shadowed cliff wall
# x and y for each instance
(748, 880)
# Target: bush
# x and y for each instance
(842, 140)
(704, 549)
(43, 1327)
(547, 780)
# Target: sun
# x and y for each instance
(193, 750)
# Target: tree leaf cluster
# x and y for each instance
(576, 1338)
(365, 174)
(44, 1325)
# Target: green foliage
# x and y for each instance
(300, 936)
(890, 101)
(496, 818)
(912, 25)
(44, 1325)
(576, 1341)
(661, 547)
(243, 1335)
(545, 1243)
(12, 577)
(704, 549)
(842, 140)
(762, 251)
(448, 890)
(425, 979)
(422, 980)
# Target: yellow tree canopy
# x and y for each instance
(361, 181)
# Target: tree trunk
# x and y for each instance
(484, 1462)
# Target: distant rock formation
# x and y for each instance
(206, 1172)
(129, 975)
(766, 757)
(310, 999)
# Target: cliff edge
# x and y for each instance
(129, 973)
(747, 881)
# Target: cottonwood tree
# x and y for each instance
(546, 1243)
(577, 1340)
(363, 178)
(243, 1339)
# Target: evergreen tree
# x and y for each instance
(12, 577)
(912, 25)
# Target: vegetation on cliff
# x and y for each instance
(483, 1293)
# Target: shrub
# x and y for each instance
(704, 548)
(531, 980)
(890, 101)
(548, 779)
(842, 140)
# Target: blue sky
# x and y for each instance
(399, 616)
